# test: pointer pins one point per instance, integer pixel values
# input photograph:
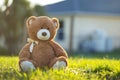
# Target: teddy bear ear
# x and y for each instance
(30, 20)
(55, 22)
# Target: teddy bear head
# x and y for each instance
(42, 28)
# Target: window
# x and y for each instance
(61, 31)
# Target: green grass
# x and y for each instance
(82, 67)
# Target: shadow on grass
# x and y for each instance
(109, 55)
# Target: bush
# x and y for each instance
(4, 51)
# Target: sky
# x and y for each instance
(33, 2)
(44, 2)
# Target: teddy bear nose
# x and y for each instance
(44, 34)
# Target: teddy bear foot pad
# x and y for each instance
(27, 66)
(59, 65)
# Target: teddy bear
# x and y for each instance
(41, 50)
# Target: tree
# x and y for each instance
(39, 10)
(12, 23)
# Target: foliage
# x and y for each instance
(3, 51)
(80, 68)
(12, 23)
(12, 19)
(39, 10)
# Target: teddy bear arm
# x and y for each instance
(59, 51)
(24, 53)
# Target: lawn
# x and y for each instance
(81, 67)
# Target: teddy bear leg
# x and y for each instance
(27, 66)
(59, 63)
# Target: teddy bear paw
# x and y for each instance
(27, 66)
(59, 65)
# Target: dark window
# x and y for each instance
(61, 31)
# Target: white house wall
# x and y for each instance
(65, 42)
(84, 25)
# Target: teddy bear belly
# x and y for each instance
(43, 57)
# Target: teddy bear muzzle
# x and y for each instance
(43, 34)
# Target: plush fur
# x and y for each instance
(41, 50)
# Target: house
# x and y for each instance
(80, 19)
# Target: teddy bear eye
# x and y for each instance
(41, 27)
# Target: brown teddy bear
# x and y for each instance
(42, 51)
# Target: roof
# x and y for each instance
(84, 6)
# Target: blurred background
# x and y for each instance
(86, 26)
